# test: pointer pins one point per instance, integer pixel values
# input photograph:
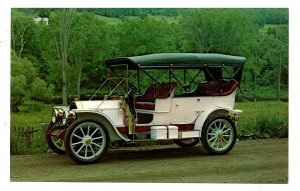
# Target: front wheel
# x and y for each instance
(218, 135)
(86, 141)
(55, 138)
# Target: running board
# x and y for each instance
(188, 134)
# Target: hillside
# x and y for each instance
(261, 35)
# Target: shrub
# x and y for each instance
(263, 119)
(18, 91)
(25, 84)
(270, 126)
(40, 91)
(31, 105)
(22, 66)
(27, 140)
(27, 120)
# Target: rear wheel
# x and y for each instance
(187, 142)
(55, 139)
(86, 141)
(218, 135)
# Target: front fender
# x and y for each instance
(114, 134)
(205, 115)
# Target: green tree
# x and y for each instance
(22, 74)
(22, 66)
(218, 30)
(63, 43)
(146, 36)
(26, 84)
(90, 48)
(70, 51)
(18, 91)
(255, 59)
(277, 54)
(40, 91)
(20, 27)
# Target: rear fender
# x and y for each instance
(207, 114)
(103, 119)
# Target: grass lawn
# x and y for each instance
(26, 120)
(31, 118)
(264, 119)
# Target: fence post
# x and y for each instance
(43, 126)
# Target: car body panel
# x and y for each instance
(103, 119)
(109, 108)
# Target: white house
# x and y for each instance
(41, 20)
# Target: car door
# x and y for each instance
(185, 110)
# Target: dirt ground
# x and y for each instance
(250, 161)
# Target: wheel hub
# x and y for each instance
(87, 140)
(220, 135)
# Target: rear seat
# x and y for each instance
(221, 87)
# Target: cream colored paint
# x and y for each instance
(172, 110)
(110, 108)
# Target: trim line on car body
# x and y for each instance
(203, 117)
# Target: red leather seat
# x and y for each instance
(145, 105)
(214, 88)
(154, 91)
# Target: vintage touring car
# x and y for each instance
(190, 97)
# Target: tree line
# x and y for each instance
(66, 55)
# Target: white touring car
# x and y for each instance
(190, 97)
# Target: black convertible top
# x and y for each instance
(178, 61)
